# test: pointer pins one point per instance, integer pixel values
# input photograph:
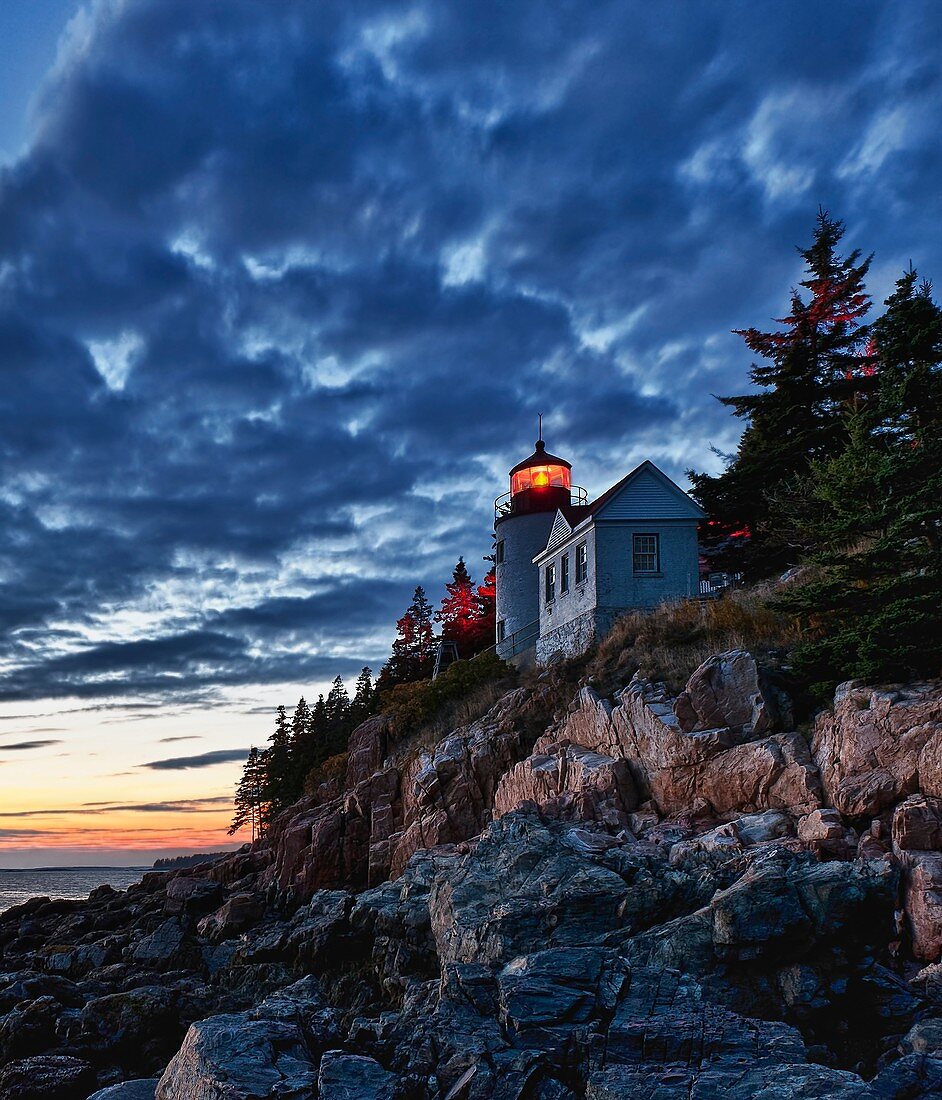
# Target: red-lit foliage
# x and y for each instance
(466, 612)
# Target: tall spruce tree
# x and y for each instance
(871, 604)
(337, 718)
(364, 697)
(247, 804)
(280, 770)
(413, 651)
(810, 372)
(300, 747)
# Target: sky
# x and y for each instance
(284, 286)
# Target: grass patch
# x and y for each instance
(669, 642)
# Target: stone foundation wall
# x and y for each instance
(575, 636)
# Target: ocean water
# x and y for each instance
(62, 882)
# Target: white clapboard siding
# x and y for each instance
(560, 532)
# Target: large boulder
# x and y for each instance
(240, 912)
(233, 1057)
(527, 886)
(29, 1028)
(879, 745)
(572, 783)
(353, 1077)
(192, 894)
(162, 947)
(667, 1042)
(727, 691)
(779, 909)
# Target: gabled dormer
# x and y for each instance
(560, 531)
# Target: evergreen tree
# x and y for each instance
(279, 767)
(337, 718)
(872, 603)
(300, 748)
(315, 746)
(460, 612)
(810, 373)
(413, 651)
(364, 697)
(487, 608)
(247, 804)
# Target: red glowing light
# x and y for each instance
(541, 477)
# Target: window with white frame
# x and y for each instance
(501, 630)
(499, 552)
(582, 563)
(564, 574)
(550, 583)
(646, 554)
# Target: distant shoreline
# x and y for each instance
(162, 863)
(78, 867)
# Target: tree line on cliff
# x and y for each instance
(839, 471)
(306, 748)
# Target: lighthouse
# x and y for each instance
(540, 486)
(567, 569)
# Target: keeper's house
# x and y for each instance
(567, 568)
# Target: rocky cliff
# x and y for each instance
(614, 897)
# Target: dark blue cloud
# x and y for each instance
(204, 760)
(283, 287)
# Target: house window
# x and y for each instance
(582, 563)
(499, 552)
(550, 583)
(646, 554)
(500, 630)
(564, 574)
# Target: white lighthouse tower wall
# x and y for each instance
(518, 582)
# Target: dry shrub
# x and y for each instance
(462, 712)
(334, 767)
(424, 712)
(668, 642)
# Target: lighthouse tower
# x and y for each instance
(523, 518)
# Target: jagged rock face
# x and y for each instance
(917, 844)
(550, 980)
(572, 783)
(879, 745)
(523, 888)
(676, 769)
(371, 830)
(642, 895)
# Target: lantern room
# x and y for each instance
(541, 483)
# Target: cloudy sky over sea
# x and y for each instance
(283, 287)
